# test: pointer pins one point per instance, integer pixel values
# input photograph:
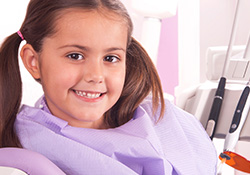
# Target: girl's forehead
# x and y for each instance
(86, 15)
(89, 27)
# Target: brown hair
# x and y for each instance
(141, 75)
(141, 79)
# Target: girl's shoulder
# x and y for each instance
(174, 117)
(171, 111)
(181, 131)
(182, 135)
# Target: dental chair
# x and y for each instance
(18, 161)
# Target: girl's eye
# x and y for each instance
(112, 59)
(75, 56)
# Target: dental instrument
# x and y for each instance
(239, 118)
(236, 161)
(241, 112)
(218, 98)
(240, 115)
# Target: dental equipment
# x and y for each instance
(218, 98)
(232, 159)
(241, 112)
(236, 161)
(153, 13)
(232, 137)
(238, 121)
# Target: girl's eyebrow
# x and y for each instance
(87, 49)
(76, 46)
(114, 49)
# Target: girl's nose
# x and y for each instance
(94, 73)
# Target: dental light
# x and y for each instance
(153, 11)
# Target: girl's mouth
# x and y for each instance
(89, 95)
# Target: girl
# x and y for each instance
(103, 110)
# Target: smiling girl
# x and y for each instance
(82, 66)
(103, 110)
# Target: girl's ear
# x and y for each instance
(30, 60)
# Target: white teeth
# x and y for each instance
(88, 95)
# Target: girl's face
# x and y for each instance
(82, 66)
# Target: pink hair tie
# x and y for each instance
(20, 34)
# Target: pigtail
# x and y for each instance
(153, 81)
(10, 90)
(141, 79)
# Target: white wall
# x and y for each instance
(12, 13)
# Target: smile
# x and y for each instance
(89, 95)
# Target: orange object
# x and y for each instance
(236, 161)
